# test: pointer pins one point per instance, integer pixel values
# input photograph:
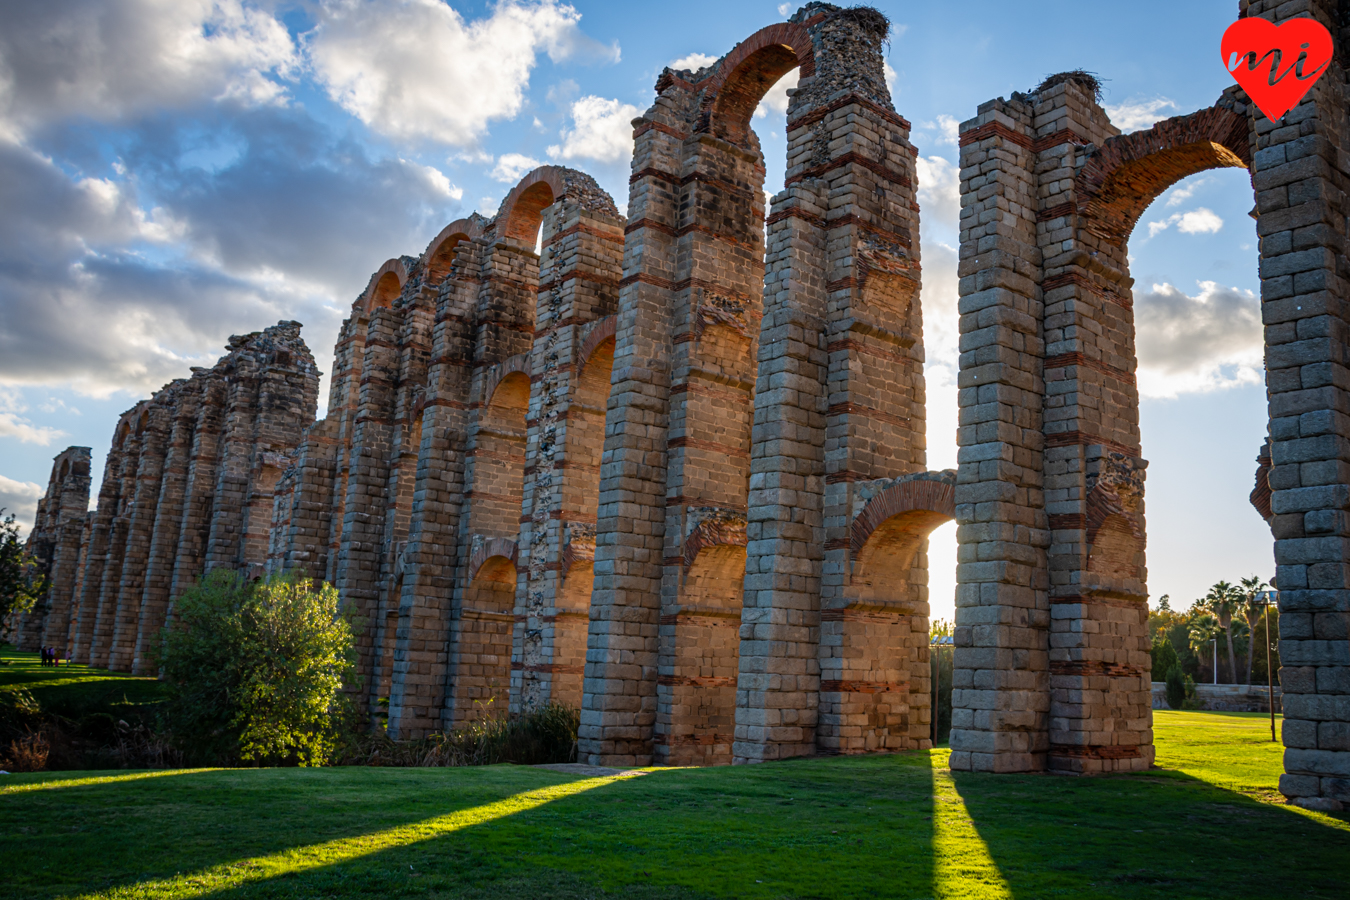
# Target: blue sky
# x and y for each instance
(176, 171)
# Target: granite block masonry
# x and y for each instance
(670, 468)
(188, 486)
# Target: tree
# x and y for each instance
(21, 580)
(1252, 610)
(1164, 655)
(255, 671)
(1203, 628)
(1224, 600)
(1176, 688)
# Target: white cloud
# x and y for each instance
(511, 167)
(947, 128)
(436, 180)
(776, 100)
(601, 130)
(110, 58)
(1196, 344)
(939, 192)
(14, 425)
(20, 498)
(1133, 115)
(415, 69)
(693, 62)
(1198, 221)
(1179, 195)
(785, 9)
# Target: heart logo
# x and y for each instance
(1276, 64)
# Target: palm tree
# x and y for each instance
(1202, 629)
(1252, 610)
(1223, 600)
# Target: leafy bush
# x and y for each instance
(254, 671)
(1164, 656)
(545, 735)
(22, 583)
(1176, 687)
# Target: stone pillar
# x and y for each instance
(364, 511)
(619, 687)
(839, 405)
(1001, 680)
(414, 351)
(1300, 175)
(569, 370)
(482, 610)
(168, 528)
(417, 692)
(158, 427)
(55, 543)
(96, 552)
(199, 493)
(105, 604)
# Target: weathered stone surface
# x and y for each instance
(187, 487)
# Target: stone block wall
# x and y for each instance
(55, 543)
(671, 469)
(1051, 662)
(187, 487)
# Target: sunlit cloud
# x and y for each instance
(1197, 344)
(1133, 115)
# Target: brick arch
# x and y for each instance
(502, 549)
(385, 286)
(514, 365)
(604, 330)
(521, 212)
(725, 528)
(1126, 173)
(745, 75)
(924, 502)
(440, 254)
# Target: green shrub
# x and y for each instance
(1192, 701)
(544, 735)
(1176, 687)
(1164, 657)
(254, 672)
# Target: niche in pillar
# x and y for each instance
(499, 453)
(481, 674)
(697, 681)
(890, 284)
(874, 690)
(1115, 518)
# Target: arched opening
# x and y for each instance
(484, 645)
(441, 252)
(1098, 629)
(751, 70)
(386, 292)
(1199, 341)
(522, 211)
(585, 446)
(874, 647)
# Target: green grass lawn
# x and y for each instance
(73, 690)
(1201, 825)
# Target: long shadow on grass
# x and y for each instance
(97, 838)
(837, 828)
(1150, 834)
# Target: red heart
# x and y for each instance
(1276, 64)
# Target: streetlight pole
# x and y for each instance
(1270, 676)
(1215, 657)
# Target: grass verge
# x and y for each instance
(866, 827)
